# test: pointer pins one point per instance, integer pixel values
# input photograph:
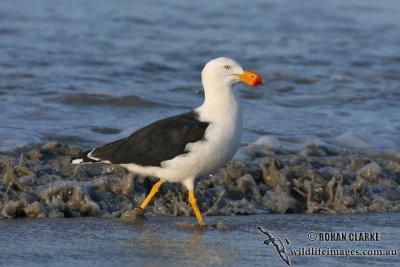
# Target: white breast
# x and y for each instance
(222, 139)
(221, 109)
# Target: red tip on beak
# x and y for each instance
(251, 78)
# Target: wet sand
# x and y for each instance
(76, 75)
(265, 177)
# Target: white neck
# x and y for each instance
(221, 103)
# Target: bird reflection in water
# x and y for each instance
(184, 242)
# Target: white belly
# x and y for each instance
(204, 157)
(222, 140)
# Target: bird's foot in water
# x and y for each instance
(190, 226)
(135, 216)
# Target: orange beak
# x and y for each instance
(251, 78)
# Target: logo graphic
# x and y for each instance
(277, 242)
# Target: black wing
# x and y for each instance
(155, 143)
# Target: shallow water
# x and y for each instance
(322, 136)
(158, 242)
(92, 71)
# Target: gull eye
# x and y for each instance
(227, 67)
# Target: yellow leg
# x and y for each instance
(196, 210)
(153, 191)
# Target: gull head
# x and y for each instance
(226, 71)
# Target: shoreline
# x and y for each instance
(38, 182)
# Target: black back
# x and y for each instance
(155, 143)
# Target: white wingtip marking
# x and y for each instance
(77, 161)
(89, 155)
